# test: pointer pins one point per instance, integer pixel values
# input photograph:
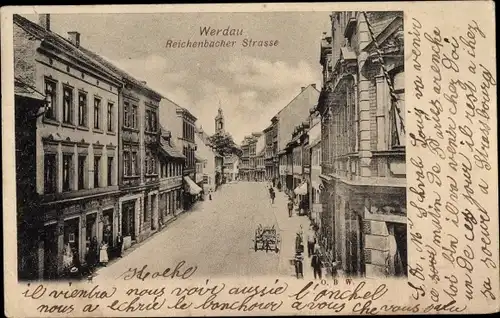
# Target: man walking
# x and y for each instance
(290, 208)
(272, 194)
(119, 245)
(311, 241)
(316, 264)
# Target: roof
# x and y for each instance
(21, 88)
(171, 151)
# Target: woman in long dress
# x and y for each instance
(103, 254)
(67, 257)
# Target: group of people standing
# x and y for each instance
(313, 252)
(96, 254)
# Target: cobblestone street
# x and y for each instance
(217, 236)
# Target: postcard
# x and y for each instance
(250, 159)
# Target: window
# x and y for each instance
(134, 169)
(97, 162)
(147, 118)
(82, 109)
(50, 170)
(398, 134)
(134, 116)
(205, 179)
(81, 172)
(67, 160)
(146, 205)
(67, 105)
(110, 117)
(153, 165)
(51, 95)
(126, 163)
(97, 113)
(152, 121)
(110, 171)
(126, 114)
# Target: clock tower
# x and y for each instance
(219, 121)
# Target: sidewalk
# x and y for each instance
(288, 227)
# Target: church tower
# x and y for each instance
(219, 121)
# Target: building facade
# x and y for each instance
(363, 144)
(313, 150)
(171, 171)
(75, 148)
(293, 114)
(231, 168)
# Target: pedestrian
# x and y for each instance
(273, 196)
(103, 254)
(311, 241)
(316, 265)
(299, 269)
(290, 208)
(210, 195)
(119, 243)
(279, 186)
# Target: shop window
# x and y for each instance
(50, 170)
(82, 109)
(51, 99)
(67, 105)
(67, 161)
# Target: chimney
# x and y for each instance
(144, 82)
(313, 85)
(74, 38)
(44, 21)
(302, 88)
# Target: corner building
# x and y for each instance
(76, 148)
(363, 145)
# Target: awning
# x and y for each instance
(301, 189)
(193, 187)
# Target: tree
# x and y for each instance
(223, 143)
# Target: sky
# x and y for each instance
(250, 84)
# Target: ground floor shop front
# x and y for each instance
(69, 229)
(363, 228)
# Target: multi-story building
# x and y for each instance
(363, 144)
(181, 123)
(252, 155)
(287, 119)
(171, 171)
(139, 165)
(260, 167)
(245, 163)
(231, 168)
(74, 150)
(313, 150)
(268, 153)
(210, 161)
(300, 162)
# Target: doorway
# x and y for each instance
(128, 219)
(50, 251)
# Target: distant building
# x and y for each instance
(288, 118)
(211, 161)
(231, 168)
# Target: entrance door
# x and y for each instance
(128, 219)
(50, 252)
(107, 233)
(91, 227)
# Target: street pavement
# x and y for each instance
(217, 236)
